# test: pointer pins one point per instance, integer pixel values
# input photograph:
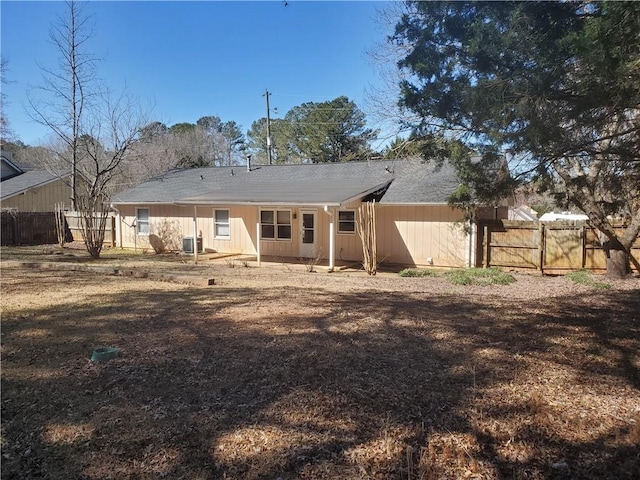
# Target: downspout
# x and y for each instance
(195, 234)
(332, 240)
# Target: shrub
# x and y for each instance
(412, 272)
(583, 277)
(166, 237)
(479, 276)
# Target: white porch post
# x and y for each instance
(258, 239)
(195, 234)
(332, 238)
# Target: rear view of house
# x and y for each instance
(301, 211)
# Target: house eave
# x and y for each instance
(414, 204)
(258, 204)
(140, 202)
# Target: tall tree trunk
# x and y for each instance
(617, 258)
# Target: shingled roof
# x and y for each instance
(25, 181)
(398, 182)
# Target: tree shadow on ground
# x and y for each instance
(246, 383)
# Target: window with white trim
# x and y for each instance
(275, 224)
(347, 221)
(142, 221)
(221, 225)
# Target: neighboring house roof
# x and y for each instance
(566, 216)
(523, 212)
(408, 182)
(24, 182)
(9, 168)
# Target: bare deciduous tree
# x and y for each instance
(94, 129)
(366, 228)
(60, 102)
(5, 130)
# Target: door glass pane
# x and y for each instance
(307, 236)
(307, 220)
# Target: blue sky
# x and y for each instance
(191, 59)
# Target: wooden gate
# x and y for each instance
(553, 247)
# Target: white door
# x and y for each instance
(307, 234)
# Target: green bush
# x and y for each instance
(412, 272)
(479, 276)
(583, 277)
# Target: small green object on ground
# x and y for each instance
(104, 354)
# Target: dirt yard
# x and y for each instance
(278, 373)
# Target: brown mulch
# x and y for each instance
(280, 373)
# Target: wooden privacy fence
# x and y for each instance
(548, 247)
(28, 228)
(75, 226)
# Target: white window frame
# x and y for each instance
(347, 232)
(216, 223)
(146, 222)
(275, 224)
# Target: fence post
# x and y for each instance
(113, 232)
(583, 234)
(486, 246)
(541, 234)
(16, 230)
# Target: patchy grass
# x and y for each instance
(583, 277)
(479, 276)
(283, 374)
(413, 272)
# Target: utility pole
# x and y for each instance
(266, 94)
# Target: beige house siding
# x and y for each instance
(173, 223)
(40, 199)
(421, 235)
(407, 235)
